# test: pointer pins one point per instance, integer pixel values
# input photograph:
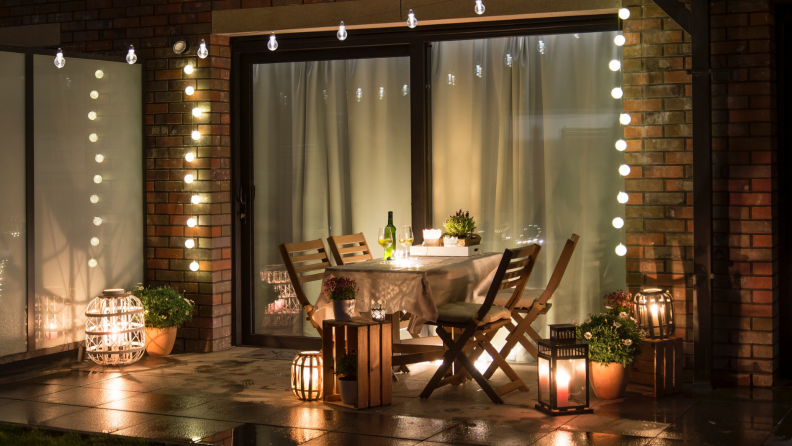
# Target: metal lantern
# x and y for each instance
(563, 372)
(306, 376)
(654, 310)
(114, 328)
(377, 312)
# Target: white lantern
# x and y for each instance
(114, 328)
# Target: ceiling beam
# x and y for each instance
(677, 11)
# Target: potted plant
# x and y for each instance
(614, 343)
(461, 226)
(342, 293)
(165, 311)
(346, 370)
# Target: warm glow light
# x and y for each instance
(194, 266)
(93, 137)
(619, 40)
(188, 69)
(272, 45)
(480, 8)
(97, 179)
(60, 61)
(188, 178)
(342, 32)
(191, 222)
(197, 112)
(195, 199)
(624, 170)
(92, 115)
(94, 199)
(99, 157)
(614, 65)
(131, 58)
(618, 222)
(189, 91)
(617, 93)
(92, 263)
(94, 94)
(99, 74)
(202, 52)
(621, 250)
(97, 221)
(624, 13)
(622, 197)
(95, 241)
(625, 118)
(562, 388)
(412, 22)
(196, 135)
(189, 243)
(189, 157)
(621, 145)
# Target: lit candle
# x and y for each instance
(653, 317)
(562, 388)
(544, 377)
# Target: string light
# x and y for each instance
(342, 32)
(480, 8)
(94, 94)
(624, 13)
(621, 250)
(191, 222)
(272, 45)
(196, 135)
(92, 263)
(97, 221)
(621, 145)
(625, 118)
(197, 112)
(131, 58)
(93, 137)
(94, 199)
(60, 61)
(202, 50)
(619, 40)
(622, 197)
(95, 241)
(189, 157)
(624, 170)
(614, 65)
(92, 115)
(99, 74)
(412, 22)
(195, 199)
(188, 178)
(188, 69)
(189, 243)
(194, 266)
(99, 157)
(617, 93)
(97, 179)
(189, 91)
(618, 222)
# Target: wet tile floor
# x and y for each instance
(234, 398)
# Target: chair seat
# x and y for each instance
(463, 313)
(527, 299)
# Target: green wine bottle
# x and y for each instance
(390, 252)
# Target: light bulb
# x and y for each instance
(202, 50)
(412, 22)
(624, 13)
(60, 61)
(405, 90)
(99, 157)
(618, 223)
(189, 91)
(342, 32)
(94, 199)
(189, 243)
(197, 112)
(621, 145)
(614, 65)
(191, 222)
(92, 115)
(188, 69)
(624, 170)
(195, 199)
(382, 93)
(94, 94)
(625, 118)
(478, 70)
(194, 266)
(359, 94)
(541, 47)
(617, 93)
(97, 179)
(196, 135)
(622, 197)
(92, 263)
(272, 44)
(621, 250)
(619, 40)
(93, 137)
(509, 60)
(131, 57)
(97, 221)
(189, 157)
(99, 74)
(188, 178)
(479, 7)
(95, 241)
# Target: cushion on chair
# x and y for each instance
(528, 297)
(463, 313)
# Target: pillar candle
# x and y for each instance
(562, 388)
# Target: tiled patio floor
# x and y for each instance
(237, 398)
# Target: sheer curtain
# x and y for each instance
(331, 150)
(523, 138)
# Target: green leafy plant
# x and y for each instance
(346, 366)
(617, 302)
(460, 224)
(164, 307)
(611, 338)
(340, 289)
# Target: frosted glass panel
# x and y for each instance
(89, 223)
(13, 258)
(331, 153)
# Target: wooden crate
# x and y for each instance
(372, 342)
(658, 371)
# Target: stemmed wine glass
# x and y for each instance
(385, 239)
(406, 238)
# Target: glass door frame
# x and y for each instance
(362, 44)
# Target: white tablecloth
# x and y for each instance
(419, 290)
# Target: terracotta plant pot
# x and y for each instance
(159, 341)
(344, 310)
(609, 382)
(348, 390)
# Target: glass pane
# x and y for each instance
(89, 222)
(331, 154)
(13, 258)
(524, 140)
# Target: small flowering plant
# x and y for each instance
(164, 307)
(611, 338)
(460, 224)
(340, 289)
(617, 302)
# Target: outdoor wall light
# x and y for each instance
(622, 197)
(189, 157)
(621, 145)
(189, 91)
(97, 179)
(188, 69)
(202, 52)
(618, 222)
(342, 33)
(619, 40)
(272, 44)
(99, 74)
(195, 199)
(181, 46)
(624, 13)
(306, 376)
(131, 58)
(654, 312)
(188, 178)
(621, 250)
(94, 94)
(624, 170)
(191, 222)
(189, 243)
(93, 137)
(480, 8)
(60, 61)
(412, 22)
(196, 135)
(114, 328)
(614, 65)
(563, 372)
(194, 266)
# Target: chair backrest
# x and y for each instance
(358, 251)
(519, 271)
(305, 262)
(560, 269)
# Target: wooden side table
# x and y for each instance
(658, 371)
(372, 343)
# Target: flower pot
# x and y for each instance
(469, 240)
(348, 390)
(159, 341)
(344, 310)
(609, 381)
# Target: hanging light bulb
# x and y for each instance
(541, 47)
(188, 178)
(412, 22)
(617, 93)
(202, 50)
(624, 170)
(194, 266)
(189, 243)
(99, 157)
(94, 94)
(619, 40)
(342, 32)
(622, 197)
(92, 115)
(197, 112)
(97, 221)
(93, 137)
(97, 179)
(99, 74)
(618, 223)
(189, 157)
(479, 7)
(60, 61)
(92, 263)
(621, 250)
(624, 13)
(621, 145)
(196, 135)
(614, 65)
(195, 199)
(131, 57)
(189, 91)
(191, 222)
(272, 44)
(95, 241)
(94, 199)
(188, 69)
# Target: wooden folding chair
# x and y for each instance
(305, 262)
(475, 325)
(357, 251)
(525, 309)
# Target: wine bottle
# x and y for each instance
(390, 252)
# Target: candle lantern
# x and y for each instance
(114, 328)
(306, 376)
(654, 312)
(377, 312)
(563, 373)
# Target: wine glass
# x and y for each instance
(385, 239)
(406, 238)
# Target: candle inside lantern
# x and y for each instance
(544, 379)
(562, 388)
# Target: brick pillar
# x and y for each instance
(659, 213)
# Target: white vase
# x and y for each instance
(344, 310)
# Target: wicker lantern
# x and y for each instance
(306, 376)
(114, 328)
(563, 373)
(654, 311)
